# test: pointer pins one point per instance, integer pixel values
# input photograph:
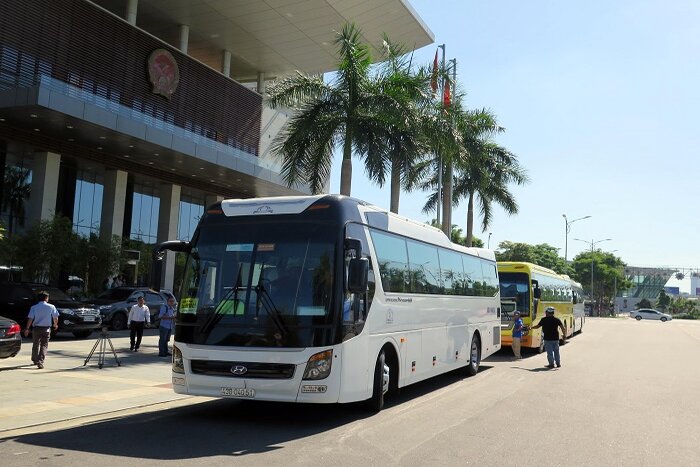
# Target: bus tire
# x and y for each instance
(474, 356)
(540, 348)
(380, 384)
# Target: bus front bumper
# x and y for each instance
(282, 389)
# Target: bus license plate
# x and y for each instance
(238, 392)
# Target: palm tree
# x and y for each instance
(401, 142)
(16, 190)
(344, 112)
(484, 175)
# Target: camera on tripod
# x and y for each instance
(102, 342)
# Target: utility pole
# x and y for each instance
(567, 229)
(592, 243)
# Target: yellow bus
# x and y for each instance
(530, 289)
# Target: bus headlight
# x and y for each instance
(319, 365)
(178, 364)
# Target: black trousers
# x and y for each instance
(136, 333)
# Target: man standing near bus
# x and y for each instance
(550, 326)
(517, 334)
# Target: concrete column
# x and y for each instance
(184, 37)
(113, 201)
(168, 218)
(131, 7)
(212, 199)
(261, 83)
(226, 64)
(42, 200)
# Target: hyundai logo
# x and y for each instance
(239, 370)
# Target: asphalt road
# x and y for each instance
(627, 395)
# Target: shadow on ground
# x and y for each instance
(221, 427)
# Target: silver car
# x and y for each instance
(648, 313)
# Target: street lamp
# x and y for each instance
(568, 223)
(488, 244)
(593, 243)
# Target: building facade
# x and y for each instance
(129, 117)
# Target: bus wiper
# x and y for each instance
(264, 299)
(219, 309)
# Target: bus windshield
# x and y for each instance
(515, 291)
(259, 284)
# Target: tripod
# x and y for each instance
(102, 342)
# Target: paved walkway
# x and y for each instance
(66, 389)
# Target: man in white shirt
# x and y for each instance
(43, 316)
(139, 316)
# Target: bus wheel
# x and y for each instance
(540, 349)
(381, 383)
(474, 356)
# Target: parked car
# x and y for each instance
(114, 304)
(648, 313)
(77, 317)
(10, 337)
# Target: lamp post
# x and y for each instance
(593, 243)
(567, 229)
(488, 244)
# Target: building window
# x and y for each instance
(191, 210)
(144, 215)
(87, 210)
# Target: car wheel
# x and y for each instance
(82, 334)
(119, 321)
(663, 319)
(638, 318)
(474, 356)
(381, 383)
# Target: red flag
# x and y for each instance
(434, 80)
(447, 100)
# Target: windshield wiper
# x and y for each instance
(264, 299)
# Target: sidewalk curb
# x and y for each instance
(95, 417)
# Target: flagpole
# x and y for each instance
(447, 208)
(442, 99)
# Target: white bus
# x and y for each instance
(326, 299)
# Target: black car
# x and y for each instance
(114, 304)
(10, 337)
(79, 318)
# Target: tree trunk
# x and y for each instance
(395, 186)
(447, 201)
(346, 167)
(470, 220)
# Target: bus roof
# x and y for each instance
(374, 216)
(511, 266)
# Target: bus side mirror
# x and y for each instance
(157, 256)
(537, 293)
(358, 270)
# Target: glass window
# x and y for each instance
(87, 207)
(473, 275)
(191, 210)
(452, 272)
(144, 215)
(424, 267)
(393, 261)
(490, 278)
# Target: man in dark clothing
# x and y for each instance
(550, 330)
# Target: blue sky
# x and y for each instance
(600, 103)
